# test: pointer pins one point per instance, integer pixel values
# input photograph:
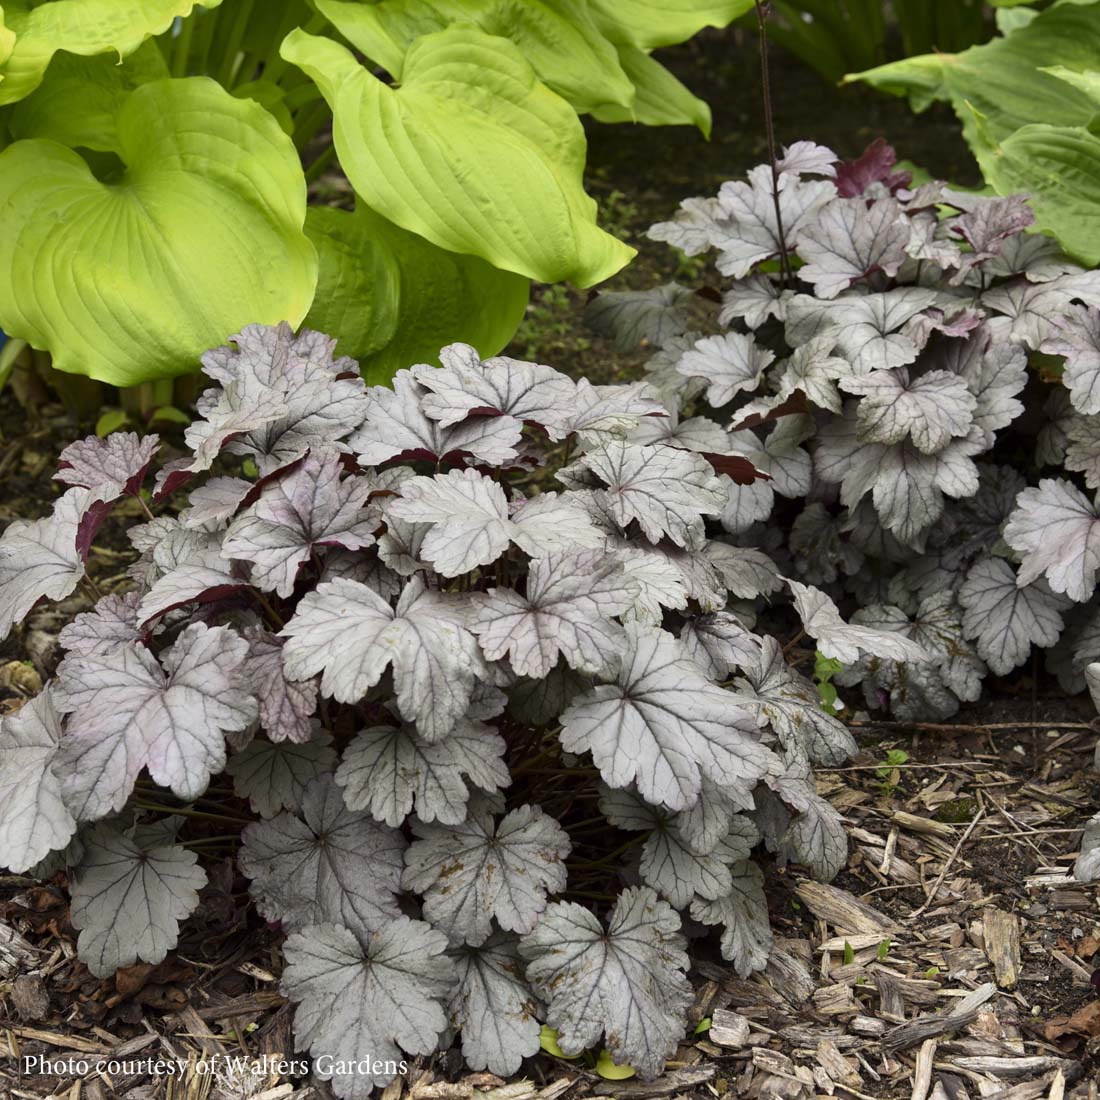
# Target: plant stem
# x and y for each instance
(769, 130)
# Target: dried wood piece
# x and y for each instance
(1001, 940)
(925, 825)
(834, 1000)
(1028, 1065)
(29, 996)
(924, 1028)
(839, 1068)
(922, 1073)
(790, 977)
(676, 1080)
(841, 909)
(973, 1000)
(729, 1029)
(867, 1026)
(891, 1004)
(16, 953)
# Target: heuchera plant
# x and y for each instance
(495, 739)
(872, 355)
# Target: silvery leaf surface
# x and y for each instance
(697, 433)
(349, 634)
(472, 524)
(41, 557)
(273, 776)
(305, 509)
(466, 385)
(34, 819)
(744, 571)
(633, 317)
(808, 158)
(790, 704)
(753, 299)
(672, 866)
(203, 576)
(743, 913)
(604, 413)
(286, 706)
(663, 725)
(932, 409)
(112, 624)
(698, 225)
(1076, 335)
(479, 869)
(567, 609)
(719, 643)
(1028, 310)
(111, 466)
(396, 426)
(215, 501)
(627, 983)
(729, 363)
(389, 771)
(1006, 619)
(838, 639)
(1056, 529)
(668, 491)
(493, 1007)
(128, 902)
(1087, 866)
(848, 239)
(384, 993)
(325, 864)
(994, 371)
(127, 711)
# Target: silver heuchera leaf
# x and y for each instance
(696, 226)
(1076, 335)
(322, 399)
(719, 643)
(351, 635)
(396, 426)
(815, 837)
(274, 776)
(128, 712)
(1057, 532)
(696, 433)
(387, 770)
(677, 872)
(821, 552)
(994, 371)
(307, 508)
(932, 409)
(808, 158)
(215, 501)
(286, 706)
(128, 902)
(110, 466)
(664, 725)
(864, 327)
(367, 996)
(743, 913)
(568, 607)
(493, 1007)
(34, 819)
(474, 871)
(466, 385)
(1029, 309)
(41, 557)
(790, 704)
(1087, 866)
(668, 491)
(633, 317)
(1006, 619)
(331, 864)
(1083, 448)
(202, 577)
(611, 412)
(753, 300)
(729, 363)
(112, 624)
(842, 641)
(471, 524)
(850, 238)
(627, 984)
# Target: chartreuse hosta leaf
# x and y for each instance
(558, 37)
(84, 27)
(212, 197)
(471, 152)
(652, 23)
(395, 298)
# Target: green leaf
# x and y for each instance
(558, 37)
(110, 420)
(608, 1070)
(651, 23)
(79, 101)
(471, 152)
(1059, 167)
(202, 234)
(849, 954)
(84, 27)
(169, 414)
(548, 1040)
(660, 99)
(702, 1026)
(883, 950)
(393, 299)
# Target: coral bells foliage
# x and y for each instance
(461, 709)
(920, 376)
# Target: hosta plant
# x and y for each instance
(919, 374)
(497, 738)
(155, 157)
